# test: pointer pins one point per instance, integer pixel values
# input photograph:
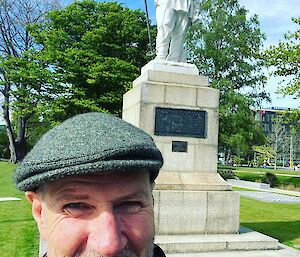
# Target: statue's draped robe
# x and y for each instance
(173, 19)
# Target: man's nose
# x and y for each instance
(106, 235)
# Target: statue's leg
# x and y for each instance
(177, 52)
(165, 25)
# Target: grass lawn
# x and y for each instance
(281, 221)
(244, 189)
(281, 180)
(259, 170)
(19, 235)
(264, 170)
(258, 175)
(18, 232)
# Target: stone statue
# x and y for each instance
(173, 19)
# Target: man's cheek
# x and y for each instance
(140, 227)
(67, 236)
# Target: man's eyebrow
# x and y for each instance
(69, 194)
(72, 196)
(138, 194)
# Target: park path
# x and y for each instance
(267, 195)
(4, 199)
(271, 197)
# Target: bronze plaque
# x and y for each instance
(180, 122)
(180, 146)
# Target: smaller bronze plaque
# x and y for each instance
(179, 146)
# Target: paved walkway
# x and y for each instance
(271, 197)
(255, 186)
(3, 199)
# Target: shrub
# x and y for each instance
(271, 179)
(227, 174)
(237, 160)
(226, 167)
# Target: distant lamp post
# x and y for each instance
(291, 153)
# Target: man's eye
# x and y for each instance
(129, 207)
(77, 209)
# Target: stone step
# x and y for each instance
(246, 241)
(283, 251)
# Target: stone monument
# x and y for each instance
(196, 212)
(174, 104)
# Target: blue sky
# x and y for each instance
(275, 19)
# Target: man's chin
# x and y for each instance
(126, 252)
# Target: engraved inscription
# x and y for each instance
(180, 122)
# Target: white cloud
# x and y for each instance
(275, 16)
(273, 8)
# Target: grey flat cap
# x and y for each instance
(91, 143)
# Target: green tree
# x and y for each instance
(239, 131)
(264, 153)
(285, 58)
(279, 135)
(20, 77)
(98, 48)
(225, 45)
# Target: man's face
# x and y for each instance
(93, 215)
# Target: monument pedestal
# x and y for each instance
(196, 213)
(174, 104)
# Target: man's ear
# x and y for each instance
(37, 211)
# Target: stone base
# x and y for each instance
(170, 66)
(191, 181)
(179, 212)
(245, 244)
(244, 241)
(283, 251)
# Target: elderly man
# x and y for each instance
(173, 19)
(90, 182)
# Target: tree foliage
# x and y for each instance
(238, 130)
(98, 49)
(225, 45)
(73, 60)
(264, 153)
(20, 78)
(285, 58)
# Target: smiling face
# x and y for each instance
(94, 215)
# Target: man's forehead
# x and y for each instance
(135, 184)
(111, 178)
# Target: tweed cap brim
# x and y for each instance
(92, 143)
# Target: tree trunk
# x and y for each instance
(20, 144)
(9, 130)
(275, 156)
(228, 157)
(291, 153)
